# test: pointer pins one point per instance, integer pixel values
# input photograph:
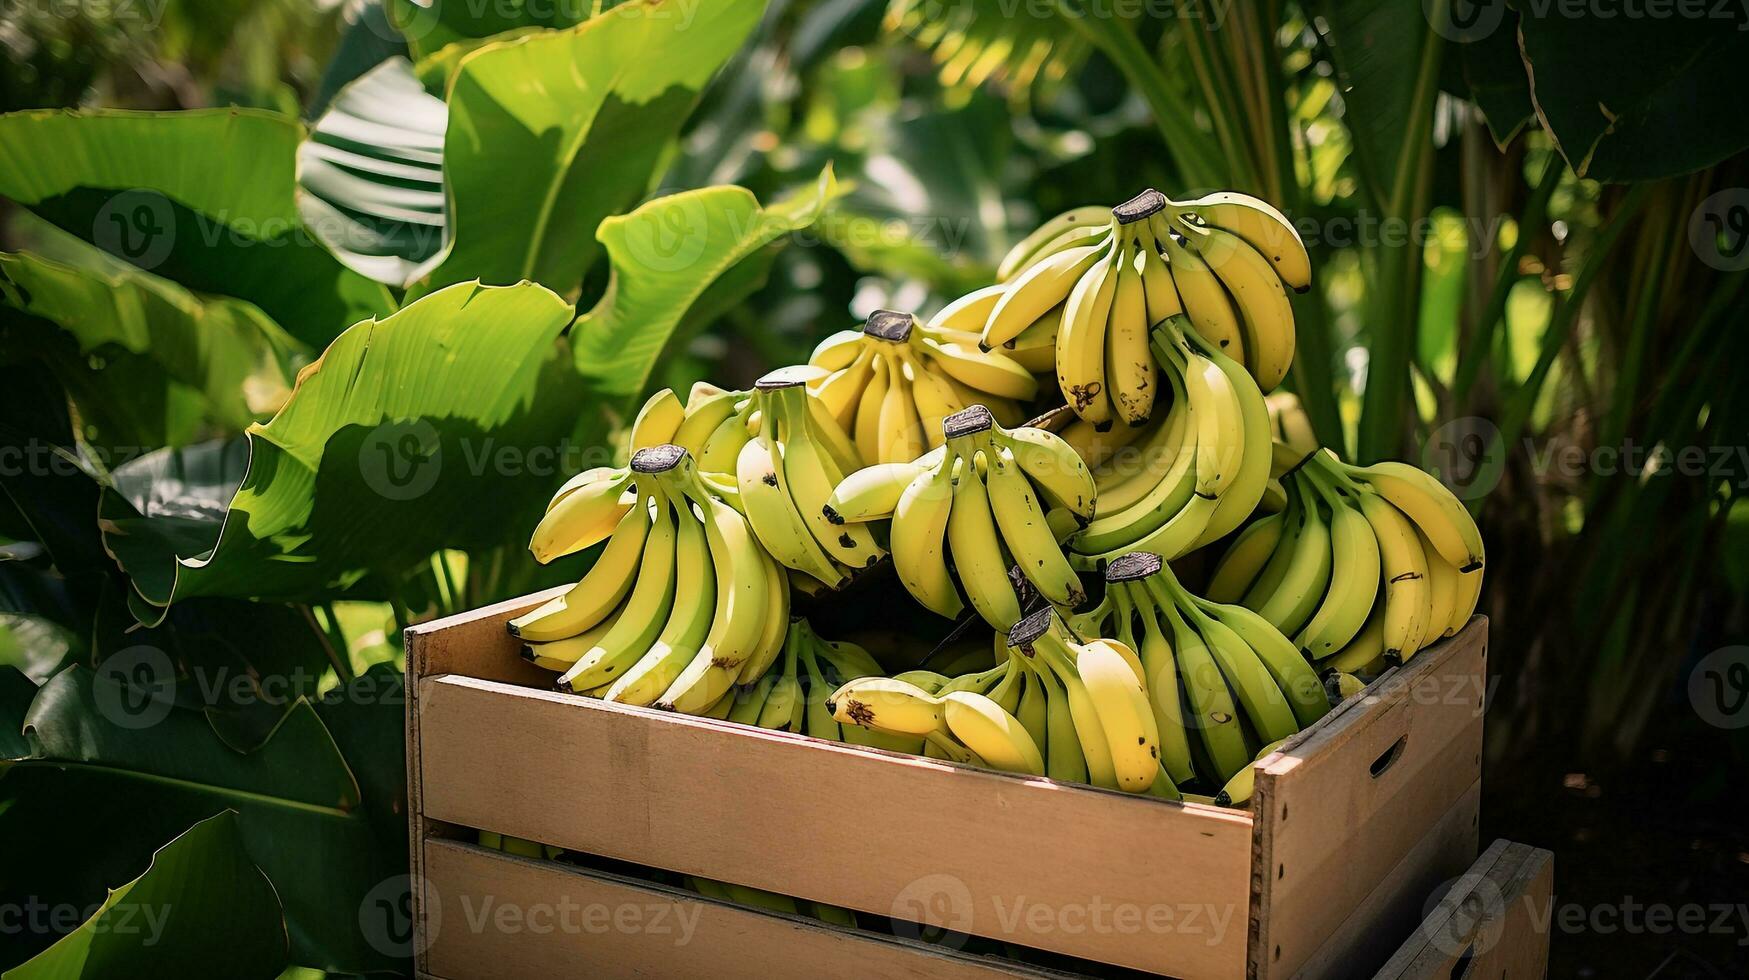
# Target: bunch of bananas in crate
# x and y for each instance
(892, 382)
(990, 500)
(1167, 325)
(681, 604)
(1365, 565)
(1094, 280)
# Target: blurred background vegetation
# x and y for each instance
(1528, 232)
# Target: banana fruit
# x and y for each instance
(993, 500)
(786, 471)
(1197, 473)
(680, 606)
(890, 384)
(1220, 678)
(1225, 260)
(1364, 567)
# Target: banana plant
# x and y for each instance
(1578, 259)
(244, 468)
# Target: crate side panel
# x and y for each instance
(1090, 873)
(1338, 809)
(512, 918)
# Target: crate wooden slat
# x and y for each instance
(491, 747)
(622, 927)
(1346, 801)
(1492, 922)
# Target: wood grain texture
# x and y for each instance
(1119, 879)
(514, 918)
(476, 640)
(1331, 862)
(1492, 922)
(1341, 804)
(1371, 931)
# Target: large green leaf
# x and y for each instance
(372, 174)
(1380, 51)
(205, 198)
(554, 131)
(163, 923)
(104, 734)
(149, 333)
(1494, 74)
(50, 486)
(1639, 98)
(667, 257)
(432, 428)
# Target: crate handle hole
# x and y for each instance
(1461, 968)
(1389, 758)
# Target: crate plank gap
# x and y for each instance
(1352, 824)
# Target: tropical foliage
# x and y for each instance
(305, 310)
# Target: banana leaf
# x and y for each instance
(139, 334)
(669, 257)
(162, 923)
(204, 198)
(98, 735)
(428, 25)
(372, 174)
(1677, 110)
(554, 131)
(441, 426)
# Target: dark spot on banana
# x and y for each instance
(1407, 576)
(859, 713)
(770, 479)
(846, 540)
(832, 516)
(871, 562)
(1141, 740)
(1154, 751)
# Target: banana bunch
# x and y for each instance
(1221, 680)
(1198, 470)
(991, 499)
(991, 718)
(681, 605)
(1098, 721)
(793, 697)
(785, 471)
(891, 383)
(1223, 260)
(1364, 567)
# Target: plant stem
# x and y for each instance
(1561, 323)
(1536, 209)
(1199, 161)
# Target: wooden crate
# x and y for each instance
(1492, 922)
(1354, 821)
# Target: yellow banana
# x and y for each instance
(600, 590)
(995, 735)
